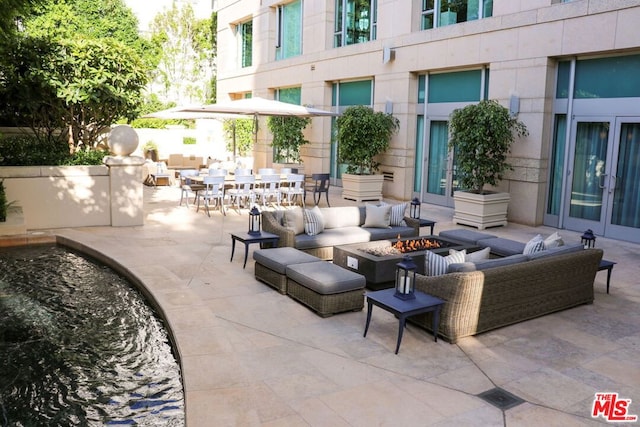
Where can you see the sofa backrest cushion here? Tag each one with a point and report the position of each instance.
(377, 216)
(294, 219)
(565, 249)
(341, 216)
(501, 262)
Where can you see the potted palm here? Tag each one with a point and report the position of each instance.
(362, 135)
(288, 137)
(481, 138)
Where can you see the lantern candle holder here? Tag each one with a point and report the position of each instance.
(405, 278)
(254, 221)
(588, 239)
(414, 211)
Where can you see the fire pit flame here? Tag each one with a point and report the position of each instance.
(413, 245)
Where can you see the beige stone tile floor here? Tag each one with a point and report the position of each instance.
(253, 357)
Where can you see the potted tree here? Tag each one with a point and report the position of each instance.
(288, 137)
(481, 136)
(363, 134)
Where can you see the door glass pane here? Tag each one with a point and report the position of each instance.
(588, 170)
(437, 163)
(417, 185)
(557, 165)
(626, 200)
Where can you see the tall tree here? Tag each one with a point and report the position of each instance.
(13, 10)
(185, 68)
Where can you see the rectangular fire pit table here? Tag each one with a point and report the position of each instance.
(402, 309)
(380, 269)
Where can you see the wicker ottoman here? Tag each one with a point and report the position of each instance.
(271, 265)
(325, 288)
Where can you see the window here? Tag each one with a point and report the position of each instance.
(289, 30)
(355, 22)
(292, 95)
(439, 13)
(245, 30)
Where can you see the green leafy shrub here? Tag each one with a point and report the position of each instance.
(189, 140)
(86, 157)
(28, 150)
(288, 136)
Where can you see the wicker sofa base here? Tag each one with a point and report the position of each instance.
(271, 278)
(326, 305)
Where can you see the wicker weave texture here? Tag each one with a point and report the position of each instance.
(483, 300)
(326, 305)
(271, 278)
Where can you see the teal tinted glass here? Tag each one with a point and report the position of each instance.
(417, 185)
(292, 95)
(556, 165)
(421, 88)
(355, 93)
(564, 73)
(461, 86)
(617, 77)
(291, 28)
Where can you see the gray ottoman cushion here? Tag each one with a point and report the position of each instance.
(325, 278)
(277, 259)
(501, 246)
(467, 236)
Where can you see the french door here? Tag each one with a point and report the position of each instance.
(439, 179)
(604, 174)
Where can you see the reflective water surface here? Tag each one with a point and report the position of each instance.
(80, 346)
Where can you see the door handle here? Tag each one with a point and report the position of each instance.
(601, 180)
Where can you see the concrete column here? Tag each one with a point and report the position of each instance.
(125, 190)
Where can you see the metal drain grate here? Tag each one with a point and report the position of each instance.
(500, 398)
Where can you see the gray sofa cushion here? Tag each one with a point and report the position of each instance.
(501, 246)
(277, 259)
(342, 216)
(501, 262)
(348, 235)
(467, 236)
(325, 278)
(389, 233)
(557, 251)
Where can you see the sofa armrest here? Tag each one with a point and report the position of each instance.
(413, 223)
(271, 225)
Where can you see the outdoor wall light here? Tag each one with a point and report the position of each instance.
(405, 278)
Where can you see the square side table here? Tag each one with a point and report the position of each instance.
(247, 239)
(422, 303)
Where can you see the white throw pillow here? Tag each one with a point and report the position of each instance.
(553, 241)
(436, 265)
(477, 255)
(534, 245)
(294, 219)
(377, 216)
(313, 221)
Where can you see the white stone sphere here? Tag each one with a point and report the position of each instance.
(123, 140)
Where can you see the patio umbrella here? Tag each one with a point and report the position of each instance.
(257, 106)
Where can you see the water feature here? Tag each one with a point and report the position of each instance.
(80, 346)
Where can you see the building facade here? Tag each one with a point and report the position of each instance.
(570, 70)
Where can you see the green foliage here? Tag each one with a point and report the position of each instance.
(189, 140)
(28, 150)
(243, 129)
(12, 9)
(481, 136)
(362, 135)
(288, 137)
(4, 204)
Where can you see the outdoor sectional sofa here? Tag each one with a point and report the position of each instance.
(509, 290)
(342, 225)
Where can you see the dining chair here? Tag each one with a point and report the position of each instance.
(188, 187)
(319, 184)
(218, 172)
(213, 192)
(268, 189)
(242, 191)
(285, 171)
(267, 171)
(293, 190)
(242, 171)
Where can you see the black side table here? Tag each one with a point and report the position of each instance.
(247, 239)
(427, 223)
(402, 309)
(607, 265)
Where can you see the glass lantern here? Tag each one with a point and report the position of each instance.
(405, 278)
(254, 221)
(588, 239)
(415, 208)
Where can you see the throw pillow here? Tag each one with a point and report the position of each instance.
(478, 255)
(293, 219)
(553, 241)
(313, 221)
(397, 214)
(534, 245)
(436, 265)
(377, 216)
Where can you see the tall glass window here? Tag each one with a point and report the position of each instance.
(439, 13)
(556, 165)
(616, 77)
(245, 30)
(289, 30)
(355, 22)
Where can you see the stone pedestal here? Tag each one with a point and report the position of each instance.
(127, 207)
